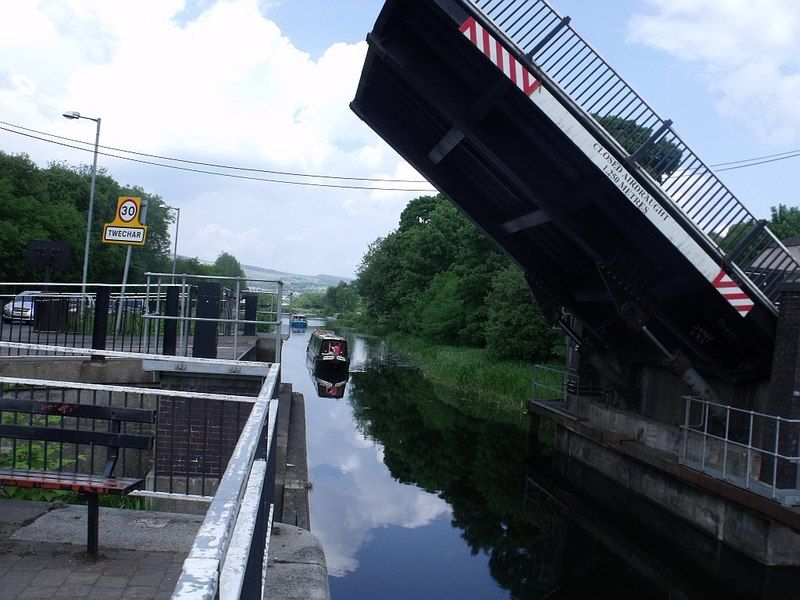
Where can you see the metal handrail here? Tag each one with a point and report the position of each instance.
(244, 495)
(543, 382)
(788, 495)
(184, 463)
(157, 281)
(758, 259)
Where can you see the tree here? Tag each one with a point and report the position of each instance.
(52, 204)
(226, 265)
(417, 212)
(441, 313)
(785, 221)
(341, 298)
(430, 278)
(378, 274)
(515, 328)
(314, 301)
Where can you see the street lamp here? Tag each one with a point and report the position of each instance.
(76, 115)
(177, 224)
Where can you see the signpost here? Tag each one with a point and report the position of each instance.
(48, 255)
(127, 228)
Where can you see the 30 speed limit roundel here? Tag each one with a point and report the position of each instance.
(128, 210)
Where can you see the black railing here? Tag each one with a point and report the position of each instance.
(159, 317)
(194, 434)
(595, 88)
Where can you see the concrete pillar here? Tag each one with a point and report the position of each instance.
(784, 392)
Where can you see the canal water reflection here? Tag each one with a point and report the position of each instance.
(415, 495)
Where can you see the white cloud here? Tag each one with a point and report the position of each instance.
(748, 52)
(211, 240)
(210, 81)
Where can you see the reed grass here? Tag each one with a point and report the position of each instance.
(474, 373)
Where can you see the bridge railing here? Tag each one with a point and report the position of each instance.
(593, 87)
(746, 448)
(229, 556)
(58, 314)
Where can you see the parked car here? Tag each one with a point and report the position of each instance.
(21, 307)
(129, 305)
(75, 302)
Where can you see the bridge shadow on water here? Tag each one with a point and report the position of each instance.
(541, 541)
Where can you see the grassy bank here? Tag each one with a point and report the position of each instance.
(472, 372)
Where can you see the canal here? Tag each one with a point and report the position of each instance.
(416, 494)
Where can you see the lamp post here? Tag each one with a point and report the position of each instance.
(76, 115)
(175, 250)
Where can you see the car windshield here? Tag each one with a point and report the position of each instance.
(25, 296)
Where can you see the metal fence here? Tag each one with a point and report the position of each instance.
(749, 449)
(237, 311)
(194, 434)
(549, 381)
(588, 83)
(561, 387)
(160, 316)
(229, 556)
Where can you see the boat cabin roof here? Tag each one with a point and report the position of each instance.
(326, 334)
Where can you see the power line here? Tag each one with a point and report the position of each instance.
(215, 165)
(229, 175)
(759, 162)
(736, 162)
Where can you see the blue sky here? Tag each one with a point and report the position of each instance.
(266, 84)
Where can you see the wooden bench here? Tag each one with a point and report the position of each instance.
(87, 486)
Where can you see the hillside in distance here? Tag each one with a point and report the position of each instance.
(294, 282)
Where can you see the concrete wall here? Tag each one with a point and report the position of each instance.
(582, 460)
(79, 369)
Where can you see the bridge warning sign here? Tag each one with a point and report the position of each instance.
(126, 228)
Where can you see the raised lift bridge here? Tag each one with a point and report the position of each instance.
(513, 116)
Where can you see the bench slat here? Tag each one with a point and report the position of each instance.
(74, 436)
(67, 409)
(76, 482)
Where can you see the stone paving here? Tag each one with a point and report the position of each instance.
(43, 552)
(58, 570)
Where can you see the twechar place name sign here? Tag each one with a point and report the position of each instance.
(126, 227)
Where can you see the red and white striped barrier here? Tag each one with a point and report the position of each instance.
(733, 293)
(502, 58)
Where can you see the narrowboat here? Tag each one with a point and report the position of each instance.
(326, 350)
(329, 389)
(299, 321)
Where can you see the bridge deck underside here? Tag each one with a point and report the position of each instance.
(582, 244)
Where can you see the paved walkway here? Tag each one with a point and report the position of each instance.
(53, 570)
(43, 554)
(34, 565)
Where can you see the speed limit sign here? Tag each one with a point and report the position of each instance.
(128, 209)
(127, 227)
